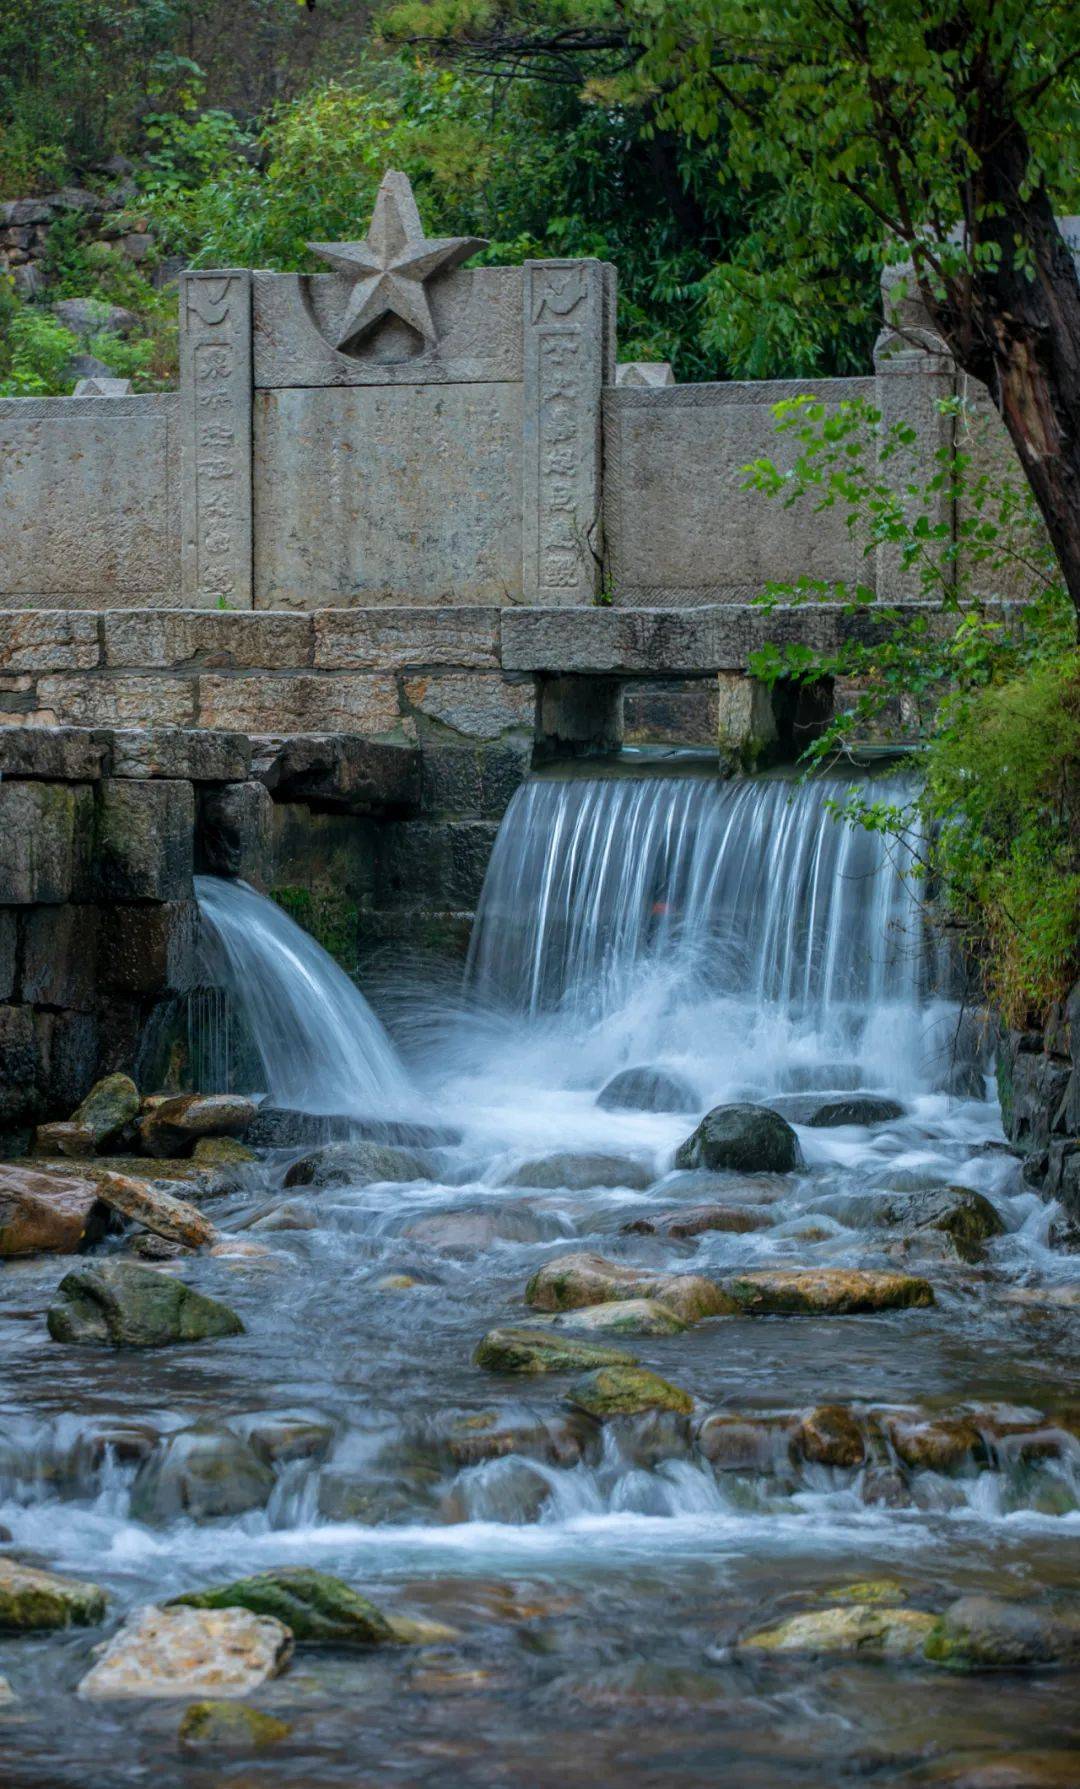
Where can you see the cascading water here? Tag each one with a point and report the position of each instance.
(320, 1045)
(736, 921)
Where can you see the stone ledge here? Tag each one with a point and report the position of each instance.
(338, 771)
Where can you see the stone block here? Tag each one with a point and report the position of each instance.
(48, 640)
(474, 781)
(196, 755)
(215, 450)
(45, 841)
(644, 372)
(303, 702)
(20, 1066)
(52, 754)
(148, 949)
(145, 840)
(59, 955)
(235, 830)
(396, 639)
(434, 864)
(747, 723)
(90, 514)
(387, 495)
(477, 705)
(148, 640)
(340, 772)
(67, 1044)
(670, 713)
(108, 701)
(579, 715)
(8, 951)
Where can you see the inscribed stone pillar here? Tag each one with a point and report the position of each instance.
(561, 474)
(215, 458)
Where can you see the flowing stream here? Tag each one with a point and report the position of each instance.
(737, 938)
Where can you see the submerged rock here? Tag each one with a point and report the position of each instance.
(229, 1727)
(577, 1173)
(42, 1212)
(987, 1633)
(749, 1139)
(626, 1391)
(830, 1436)
(466, 1232)
(32, 1601)
(571, 1281)
(174, 1126)
(200, 1472)
(508, 1491)
(315, 1606)
(357, 1164)
(121, 1304)
(859, 1108)
(866, 1631)
(623, 1316)
(733, 1443)
(182, 1652)
(937, 1445)
(647, 1089)
(163, 1213)
(543, 1351)
(835, 1291)
(697, 1220)
(486, 1435)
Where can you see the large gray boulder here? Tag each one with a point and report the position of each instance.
(357, 1164)
(748, 1139)
(122, 1304)
(647, 1089)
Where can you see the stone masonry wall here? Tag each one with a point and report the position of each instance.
(1039, 1089)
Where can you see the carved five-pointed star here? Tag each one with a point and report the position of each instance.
(391, 265)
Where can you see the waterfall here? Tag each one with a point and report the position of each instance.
(320, 1045)
(739, 913)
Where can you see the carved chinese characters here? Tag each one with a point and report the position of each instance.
(216, 456)
(564, 352)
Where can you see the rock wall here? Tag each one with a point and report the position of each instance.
(1039, 1089)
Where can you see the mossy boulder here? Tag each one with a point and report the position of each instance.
(987, 1633)
(229, 1727)
(317, 1608)
(958, 1212)
(222, 1152)
(936, 1444)
(647, 1089)
(829, 1436)
(110, 1104)
(124, 1305)
(32, 1601)
(357, 1164)
(826, 1291)
(626, 1391)
(572, 1281)
(744, 1138)
(173, 1126)
(540, 1350)
(872, 1631)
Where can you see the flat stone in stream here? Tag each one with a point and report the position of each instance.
(697, 1220)
(541, 1350)
(468, 1231)
(825, 1291)
(44, 1212)
(32, 1601)
(749, 1139)
(315, 1606)
(623, 1316)
(155, 1209)
(124, 1305)
(189, 1652)
(626, 1391)
(858, 1108)
(647, 1089)
(865, 1631)
(281, 1127)
(571, 1281)
(987, 1633)
(578, 1172)
(357, 1164)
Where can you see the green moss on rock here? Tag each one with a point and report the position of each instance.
(327, 915)
(317, 1607)
(627, 1391)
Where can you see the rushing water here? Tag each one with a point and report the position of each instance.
(734, 935)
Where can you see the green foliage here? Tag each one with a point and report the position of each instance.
(986, 686)
(34, 349)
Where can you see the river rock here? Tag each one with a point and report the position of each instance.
(697, 1220)
(541, 1350)
(936, 1445)
(223, 1152)
(858, 1108)
(865, 1631)
(185, 1652)
(647, 1089)
(829, 1436)
(835, 1291)
(749, 1139)
(175, 1125)
(129, 1306)
(572, 1281)
(965, 1216)
(314, 1606)
(200, 1472)
(7, 1694)
(626, 1391)
(623, 1316)
(156, 1210)
(229, 1727)
(279, 1439)
(577, 1173)
(357, 1164)
(511, 1492)
(735, 1443)
(493, 1434)
(32, 1600)
(987, 1633)
(467, 1232)
(44, 1212)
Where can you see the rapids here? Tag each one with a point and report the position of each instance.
(739, 937)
